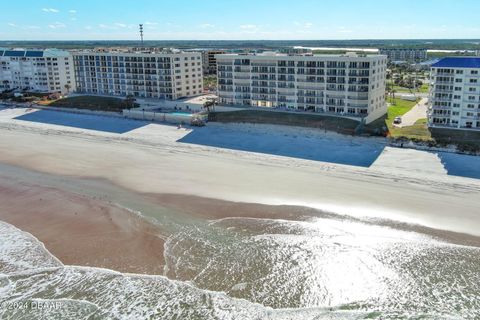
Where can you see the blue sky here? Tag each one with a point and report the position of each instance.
(239, 19)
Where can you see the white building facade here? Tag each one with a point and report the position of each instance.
(36, 71)
(159, 75)
(341, 85)
(455, 93)
(405, 54)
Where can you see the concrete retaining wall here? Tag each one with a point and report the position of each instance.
(79, 111)
(160, 116)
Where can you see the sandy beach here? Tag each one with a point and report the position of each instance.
(270, 222)
(401, 184)
(79, 230)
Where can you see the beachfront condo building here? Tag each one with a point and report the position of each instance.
(46, 71)
(165, 74)
(348, 85)
(455, 93)
(404, 54)
(209, 61)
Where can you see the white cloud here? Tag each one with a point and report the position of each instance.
(344, 30)
(72, 11)
(149, 23)
(56, 25)
(26, 27)
(52, 10)
(117, 26)
(206, 25)
(88, 27)
(305, 25)
(248, 27)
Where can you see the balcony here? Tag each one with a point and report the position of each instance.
(361, 106)
(444, 74)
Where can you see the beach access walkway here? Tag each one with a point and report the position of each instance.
(419, 111)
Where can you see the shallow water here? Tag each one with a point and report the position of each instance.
(330, 267)
(328, 263)
(257, 269)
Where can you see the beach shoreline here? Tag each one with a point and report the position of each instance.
(80, 230)
(83, 230)
(250, 171)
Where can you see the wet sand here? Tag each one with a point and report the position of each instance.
(79, 230)
(82, 230)
(219, 209)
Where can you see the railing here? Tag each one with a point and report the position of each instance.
(444, 74)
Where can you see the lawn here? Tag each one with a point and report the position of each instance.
(418, 131)
(92, 103)
(424, 88)
(338, 124)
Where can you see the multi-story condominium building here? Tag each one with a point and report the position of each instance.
(342, 85)
(168, 74)
(455, 93)
(209, 61)
(409, 55)
(36, 70)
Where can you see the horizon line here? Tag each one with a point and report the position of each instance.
(360, 39)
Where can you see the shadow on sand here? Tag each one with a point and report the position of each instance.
(460, 164)
(302, 143)
(83, 121)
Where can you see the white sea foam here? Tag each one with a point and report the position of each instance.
(85, 292)
(20, 251)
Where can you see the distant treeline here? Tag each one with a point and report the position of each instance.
(452, 44)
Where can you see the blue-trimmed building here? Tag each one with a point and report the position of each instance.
(36, 70)
(455, 93)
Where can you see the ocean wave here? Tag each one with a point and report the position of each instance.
(73, 292)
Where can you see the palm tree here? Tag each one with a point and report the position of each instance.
(208, 104)
(394, 102)
(68, 87)
(130, 101)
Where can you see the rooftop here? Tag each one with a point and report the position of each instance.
(458, 62)
(308, 56)
(34, 53)
(131, 50)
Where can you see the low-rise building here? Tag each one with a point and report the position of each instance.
(209, 61)
(455, 93)
(36, 70)
(168, 74)
(404, 54)
(348, 85)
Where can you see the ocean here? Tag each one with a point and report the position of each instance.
(320, 267)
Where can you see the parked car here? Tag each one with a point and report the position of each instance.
(397, 120)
